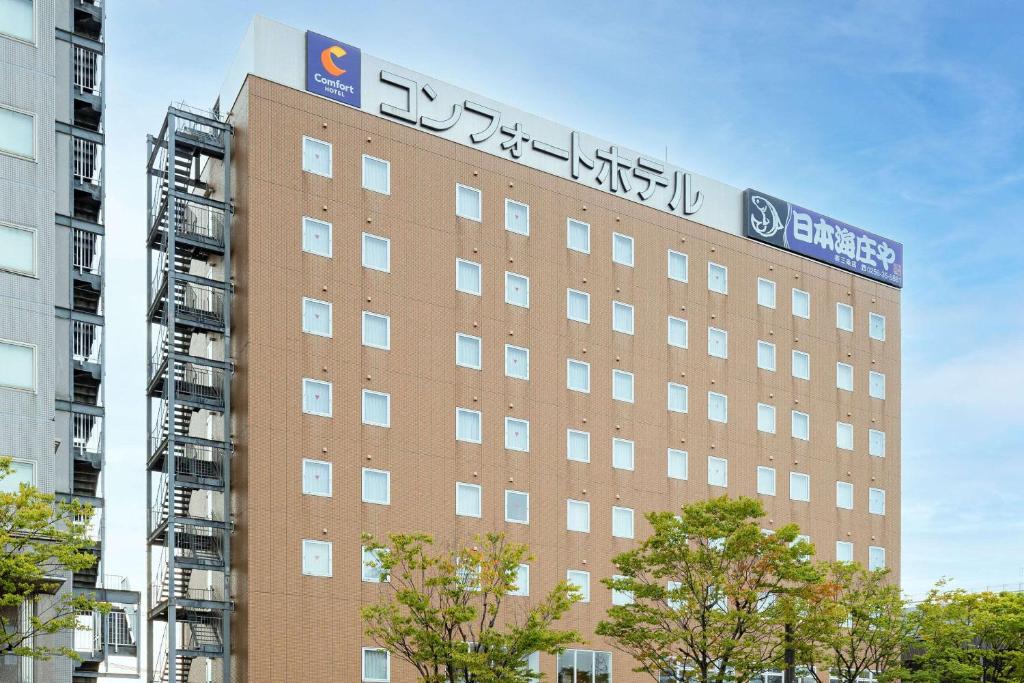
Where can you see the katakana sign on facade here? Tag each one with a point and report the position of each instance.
(343, 73)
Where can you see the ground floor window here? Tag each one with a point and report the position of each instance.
(584, 666)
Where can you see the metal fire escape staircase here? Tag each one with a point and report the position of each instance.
(188, 390)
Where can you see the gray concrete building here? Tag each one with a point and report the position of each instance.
(51, 302)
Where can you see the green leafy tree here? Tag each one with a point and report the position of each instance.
(861, 625)
(711, 594)
(40, 539)
(448, 615)
(962, 636)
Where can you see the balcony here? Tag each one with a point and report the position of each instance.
(89, 18)
(199, 227)
(87, 270)
(87, 170)
(87, 346)
(88, 88)
(86, 355)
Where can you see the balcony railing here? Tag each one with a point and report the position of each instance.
(87, 254)
(198, 221)
(88, 71)
(88, 161)
(88, 435)
(86, 342)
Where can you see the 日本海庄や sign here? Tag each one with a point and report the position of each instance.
(333, 69)
(811, 234)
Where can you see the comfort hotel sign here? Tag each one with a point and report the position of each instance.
(343, 73)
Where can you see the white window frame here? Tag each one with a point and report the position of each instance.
(872, 317)
(872, 508)
(844, 367)
(686, 266)
(362, 663)
(569, 292)
(365, 552)
(844, 545)
(480, 273)
(774, 418)
(797, 293)
(362, 482)
(568, 516)
(387, 325)
(509, 274)
(568, 440)
(35, 367)
(480, 419)
(632, 454)
(585, 590)
(761, 303)
(799, 476)
(513, 347)
(386, 269)
(764, 490)
(871, 449)
(479, 348)
(568, 363)
(478, 218)
(760, 343)
(568, 234)
(842, 487)
(625, 374)
(725, 278)
(801, 354)
(34, 272)
(632, 322)
(725, 463)
(872, 374)
(35, 128)
(329, 253)
(684, 456)
(459, 485)
(632, 521)
(685, 390)
(632, 245)
(387, 165)
(517, 521)
(330, 156)
(523, 421)
(35, 28)
(844, 428)
(840, 306)
(726, 398)
(330, 397)
(686, 332)
(330, 557)
(793, 423)
(508, 202)
(520, 589)
(387, 398)
(7, 484)
(330, 477)
(873, 551)
(621, 597)
(330, 317)
(715, 331)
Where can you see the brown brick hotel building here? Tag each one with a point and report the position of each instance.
(443, 315)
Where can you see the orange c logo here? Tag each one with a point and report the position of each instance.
(327, 58)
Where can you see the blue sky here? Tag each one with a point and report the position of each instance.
(904, 118)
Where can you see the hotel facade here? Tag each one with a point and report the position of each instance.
(402, 307)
